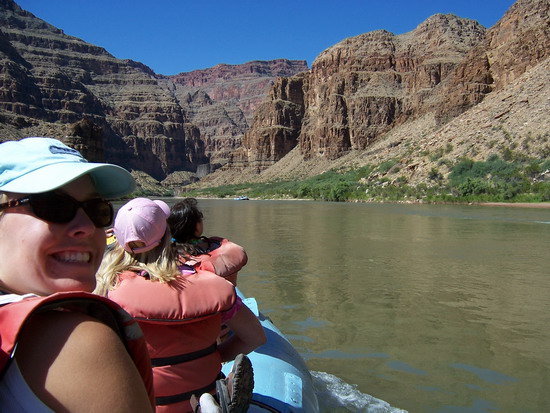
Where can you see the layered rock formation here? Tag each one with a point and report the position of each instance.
(518, 41)
(120, 110)
(243, 85)
(52, 82)
(363, 87)
(221, 100)
(277, 126)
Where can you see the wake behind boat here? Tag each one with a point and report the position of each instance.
(282, 381)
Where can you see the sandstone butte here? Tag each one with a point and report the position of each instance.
(450, 88)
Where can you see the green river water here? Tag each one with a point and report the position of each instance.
(431, 308)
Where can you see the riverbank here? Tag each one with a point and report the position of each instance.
(540, 205)
(515, 204)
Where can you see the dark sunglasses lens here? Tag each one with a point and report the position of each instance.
(53, 207)
(100, 212)
(61, 209)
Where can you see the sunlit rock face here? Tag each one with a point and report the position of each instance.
(221, 100)
(362, 87)
(253, 114)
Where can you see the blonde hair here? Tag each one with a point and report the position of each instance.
(161, 265)
(3, 198)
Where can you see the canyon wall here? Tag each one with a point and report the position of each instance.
(249, 117)
(120, 111)
(221, 100)
(361, 88)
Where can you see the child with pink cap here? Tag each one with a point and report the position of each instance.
(180, 310)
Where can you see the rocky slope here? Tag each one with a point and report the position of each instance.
(221, 100)
(57, 85)
(449, 88)
(379, 96)
(52, 84)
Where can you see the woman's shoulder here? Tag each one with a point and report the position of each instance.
(78, 346)
(52, 330)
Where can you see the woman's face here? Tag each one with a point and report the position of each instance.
(43, 258)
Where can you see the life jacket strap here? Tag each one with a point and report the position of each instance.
(181, 397)
(182, 358)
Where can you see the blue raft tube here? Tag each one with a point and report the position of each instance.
(282, 381)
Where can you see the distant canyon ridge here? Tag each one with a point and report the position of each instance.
(450, 86)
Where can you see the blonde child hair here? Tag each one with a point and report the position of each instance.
(161, 265)
(3, 198)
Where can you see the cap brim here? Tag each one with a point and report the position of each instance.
(111, 181)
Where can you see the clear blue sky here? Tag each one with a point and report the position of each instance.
(173, 36)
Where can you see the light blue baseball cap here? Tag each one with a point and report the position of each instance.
(35, 165)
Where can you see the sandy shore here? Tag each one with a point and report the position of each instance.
(516, 204)
(489, 204)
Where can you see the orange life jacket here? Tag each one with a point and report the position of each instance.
(180, 321)
(225, 260)
(14, 315)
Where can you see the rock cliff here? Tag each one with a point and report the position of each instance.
(244, 85)
(369, 98)
(519, 41)
(221, 100)
(413, 97)
(363, 88)
(277, 126)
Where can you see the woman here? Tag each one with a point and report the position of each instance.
(214, 254)
(62, 349)
(179, 309)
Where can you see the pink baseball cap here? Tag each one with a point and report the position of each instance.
(141, 220)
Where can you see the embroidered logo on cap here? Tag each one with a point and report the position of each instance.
(61, 150)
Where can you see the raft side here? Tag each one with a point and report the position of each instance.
(282, 381)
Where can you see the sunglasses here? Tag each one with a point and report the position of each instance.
(61, 209)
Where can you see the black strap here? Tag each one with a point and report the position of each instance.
(264, 406)
(182, 358)
(176, 398)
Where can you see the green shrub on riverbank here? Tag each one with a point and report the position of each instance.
(148, 193)
(514, 179)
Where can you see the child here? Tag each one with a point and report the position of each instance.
(214, 254)
(180, 310)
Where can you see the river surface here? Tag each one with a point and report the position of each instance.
(417, 307)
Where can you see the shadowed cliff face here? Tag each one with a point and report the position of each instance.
(51, 82)
(221, 100)
(276, 128)
(361, 88)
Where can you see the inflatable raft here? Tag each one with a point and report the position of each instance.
(282, 381)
